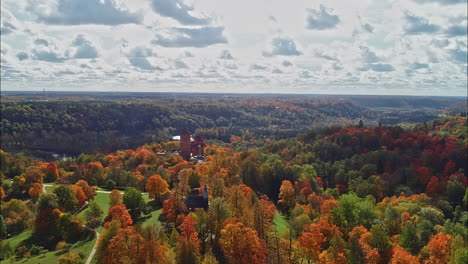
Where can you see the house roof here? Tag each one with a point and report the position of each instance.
(196, 201)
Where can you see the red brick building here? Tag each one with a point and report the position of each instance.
(189, 148)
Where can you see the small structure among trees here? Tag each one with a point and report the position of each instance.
(195, 201)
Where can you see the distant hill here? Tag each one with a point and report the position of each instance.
(73, 122)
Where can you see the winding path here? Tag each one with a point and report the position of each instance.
(93, 252)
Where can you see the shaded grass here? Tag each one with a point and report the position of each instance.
(153, 219)
(280, 223)
(16, 239)
(84, 246)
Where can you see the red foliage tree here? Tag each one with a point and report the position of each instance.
(433, 188)
(51, 171)
(120, 213)
(424, 174)
(450, 167)
(172, 208)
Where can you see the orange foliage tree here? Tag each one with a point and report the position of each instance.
(242, 245)
(157, 253)
(115, 198)
(127, 246)
(95, 171)
(33, 175)
(35, 191)
(120, 213)
(172, 208)
(79, 194)
(310, 245)
(156, 187)
(2, 194)
(88, 190)
(401, 256)
(286, 196)
(439, 249)
(188, 244)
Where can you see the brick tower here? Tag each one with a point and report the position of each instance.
(185, 146)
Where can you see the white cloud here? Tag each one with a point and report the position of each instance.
(282, 46)
(191, 37)
(226, 55)
(377, 67)
(179, 11)
(419, 25)
(83, 48)
(8, 22)
(140, 58)
(322, 18)
(442, 2)
(286, 63)
(79, 12)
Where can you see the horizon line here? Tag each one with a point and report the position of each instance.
(220, 93)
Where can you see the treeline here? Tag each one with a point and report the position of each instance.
(105, 126)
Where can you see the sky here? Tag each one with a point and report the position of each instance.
(405, 47)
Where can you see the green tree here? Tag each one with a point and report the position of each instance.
(94, 215)
(455, 192)
(380, 240)
(409, 238)
(133, 200)
(353, 211)
(66, 199)
(194, 179)
(47, 200)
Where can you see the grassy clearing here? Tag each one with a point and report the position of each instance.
(154, 218)
(52, 257)
(280, 223)
(102, 199)
(15, 240)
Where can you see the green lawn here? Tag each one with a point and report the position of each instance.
(154, 218)
(15, 240)
(102, 199)
(51, 257)
(280, 223)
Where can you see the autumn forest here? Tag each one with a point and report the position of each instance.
(288, 179)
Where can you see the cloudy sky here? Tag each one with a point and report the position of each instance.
(409, 47)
